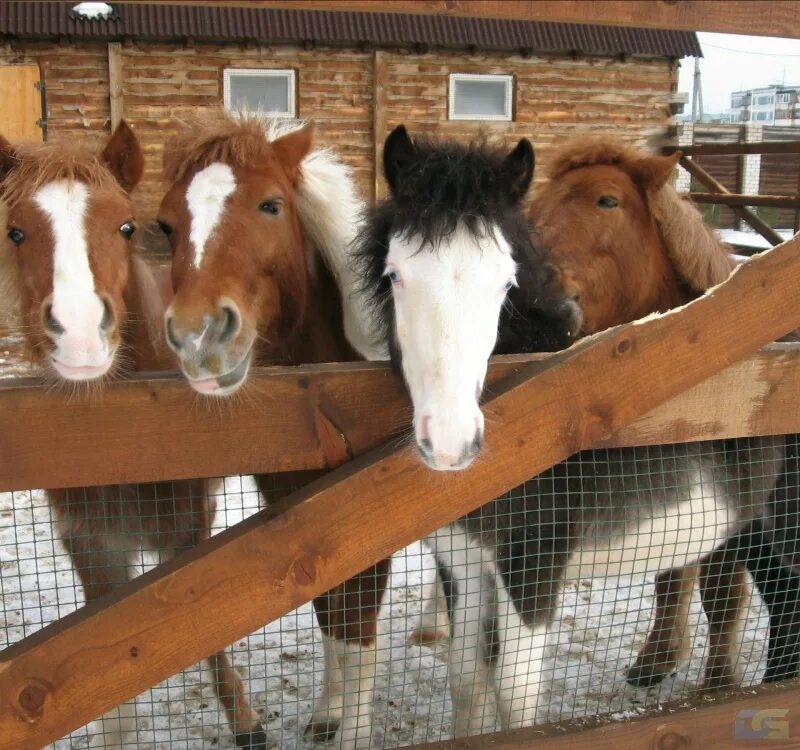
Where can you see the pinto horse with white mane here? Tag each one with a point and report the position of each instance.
(252, 214)
(90, 308)
(454, 274)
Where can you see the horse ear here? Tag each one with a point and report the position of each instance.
(398, 153)
(124, 156)
(293, 147)
(653, 172)
(8, 157)
(518, 169)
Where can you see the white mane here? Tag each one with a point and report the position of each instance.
(330, 211)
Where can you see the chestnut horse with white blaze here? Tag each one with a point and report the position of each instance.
(252, 213)
(455, 273)
(91, 309)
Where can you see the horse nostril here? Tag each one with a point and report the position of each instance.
(477, 441)
(172, 339)
(50, 321)
(426, 446)
(107, 322)
(230, 323)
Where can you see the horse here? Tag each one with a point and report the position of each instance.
(91, 310)
(621, 272)
(453, 273)
(253, 214)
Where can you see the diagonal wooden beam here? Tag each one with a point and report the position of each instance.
(764, 229)
(78, 668)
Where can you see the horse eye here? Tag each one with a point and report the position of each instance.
(164, 227)
(393, 276)
(607, 201)
(17, 236)
(271, 206)
(509, 285)
(127, 229)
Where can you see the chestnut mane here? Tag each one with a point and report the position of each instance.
(43, 163)
(698, 256)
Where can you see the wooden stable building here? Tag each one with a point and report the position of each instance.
(356, 74)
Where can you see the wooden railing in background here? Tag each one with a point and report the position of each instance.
(81, 666)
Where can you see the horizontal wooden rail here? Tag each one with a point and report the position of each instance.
(735, 149)
(736, 199)
(713, 721)
(744, 213)
(72, 671)
(775, 18)
(308, 417)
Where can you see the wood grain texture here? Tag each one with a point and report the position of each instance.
(775, 18)
(78, 668)
(22, 102)
(115, 81)
(301, 418)
(733, 199)
(764, 229)
(705, 723)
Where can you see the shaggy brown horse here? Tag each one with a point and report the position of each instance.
(250, 213)
(91, 308)
(613, 223)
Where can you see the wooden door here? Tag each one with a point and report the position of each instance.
(20, 102)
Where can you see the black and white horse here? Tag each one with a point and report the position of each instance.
(453, 276)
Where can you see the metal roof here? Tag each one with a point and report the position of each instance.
(156, 22)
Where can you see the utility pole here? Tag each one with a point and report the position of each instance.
(697, 92)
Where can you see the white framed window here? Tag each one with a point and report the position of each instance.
(260, 90)
(784, 98)
(481, 97)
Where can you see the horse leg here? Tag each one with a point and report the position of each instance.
(668, 642)
(228, 685)
(779, 587)
(348, 616)
(434, 622)
(470, 597)
(518, 663)
(725, 592)
(102, 559)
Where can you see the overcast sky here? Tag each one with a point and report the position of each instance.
(731, 62)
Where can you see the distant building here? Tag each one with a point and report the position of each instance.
(770, 105)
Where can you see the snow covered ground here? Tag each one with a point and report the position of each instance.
(602, 623)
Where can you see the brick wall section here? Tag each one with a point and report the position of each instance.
(77, 85)
(554, 97)
(163, 83)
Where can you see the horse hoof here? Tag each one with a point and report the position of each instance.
(321, 731)
(255, 739)
(646, 676)
(428, 636)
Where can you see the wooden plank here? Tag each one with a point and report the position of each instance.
(775, 18)
(764, 229)
(22, 102)
(78, 668)
(155, 429)
(115, 78)
(714, 721)
(735, 149)
(734, 199)
(379, 122)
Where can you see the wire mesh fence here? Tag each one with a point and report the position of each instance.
(598, 627)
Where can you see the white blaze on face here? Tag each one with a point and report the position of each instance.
(81, 347)
(447, 308)
(206, 196)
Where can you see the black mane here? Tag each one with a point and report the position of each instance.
(439, 187)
